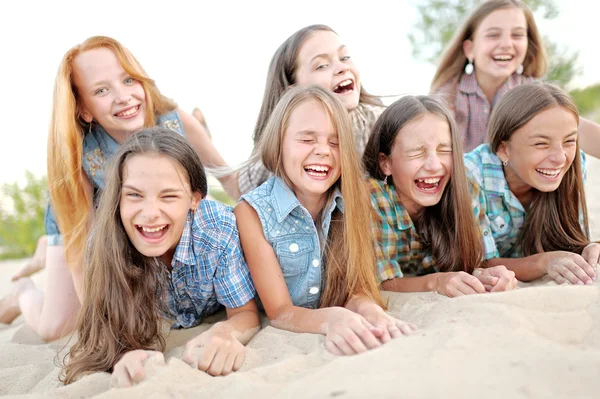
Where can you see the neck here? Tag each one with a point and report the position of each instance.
(489, 85)
(313, 203)
(518, 187)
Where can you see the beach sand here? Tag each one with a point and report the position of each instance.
(539, 341)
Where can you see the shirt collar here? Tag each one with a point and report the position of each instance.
(496, 182)
(184, 252)
(284, 200)
(402, 216)
(468, 84)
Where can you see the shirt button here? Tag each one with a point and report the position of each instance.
(315, 262)
(313, 290)
(295, 221)
(485, 233)
(293, 229)
(294, 247)
(307, 227)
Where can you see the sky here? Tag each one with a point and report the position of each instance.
(215, 55)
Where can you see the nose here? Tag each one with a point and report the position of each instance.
(341, 67)
(123, 95)
(433, 163)
(506, 40)
(322, 148)
(150, 210)
(558, 155)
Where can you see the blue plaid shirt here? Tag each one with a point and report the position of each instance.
(495, 207)
(208, 267)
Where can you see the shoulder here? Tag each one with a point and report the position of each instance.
(475, 163)
(213, 216)
(171, 120)
(262, 195)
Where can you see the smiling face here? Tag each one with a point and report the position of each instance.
(540, 153)
(107, 94)
(310, 152)
(324, 61)
(155, 200)
(420, 162)
(499, 44)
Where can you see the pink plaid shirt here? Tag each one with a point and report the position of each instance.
(471, 108)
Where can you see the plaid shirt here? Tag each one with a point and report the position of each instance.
(208, 267)
(363, 118)
(397, 245)
(471, 108)
(499, 212)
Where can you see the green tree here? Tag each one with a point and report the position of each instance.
(22, 222)
(438, 20)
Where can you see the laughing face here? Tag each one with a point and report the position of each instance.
(420, 162)
(499, 44)
(311, 156)
(107, 94)
(324, 61)
(155, 200)
(540, 153)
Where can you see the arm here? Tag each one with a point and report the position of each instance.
(200, 140)
(589, 137)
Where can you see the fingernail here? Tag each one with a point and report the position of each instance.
(589, 282)
(579, 282)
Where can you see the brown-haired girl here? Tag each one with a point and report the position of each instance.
(497, 48)
(305, 231)
(527, 186)
(426, 238)
(159, 250)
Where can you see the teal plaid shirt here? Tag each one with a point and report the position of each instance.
(498, 211)
(397, 244)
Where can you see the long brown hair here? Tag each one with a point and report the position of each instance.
(121, 311)
(70, 202)
(553, 220)
(448, 228)
(282, 75)
(349, 249)
(453, 60)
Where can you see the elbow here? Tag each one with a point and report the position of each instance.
(51, 331)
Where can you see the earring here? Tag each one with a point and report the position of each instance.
(90, 126)
(519, 69)
(385, 180)
(469, 68)
(504, 163)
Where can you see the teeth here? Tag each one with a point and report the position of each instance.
(346, 82)
(317, 168)
(430, 181)
(153, 230)
(503, 58)
(548, 172)
(128, 112)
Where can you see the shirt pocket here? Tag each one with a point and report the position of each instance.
(499, 225)
(294, 254)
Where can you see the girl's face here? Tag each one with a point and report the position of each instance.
(324, 61)
(499, 44)
(310, 151)
(420, 162)
(155, 200)
(107, 94)
(540, 153)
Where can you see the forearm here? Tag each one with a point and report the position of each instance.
(301, 320)
(242, 326)
(364, 306)
(589, 137)
(411, 284)
(526, 269)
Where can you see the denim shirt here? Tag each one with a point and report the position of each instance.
(289, 228)
(98, 148)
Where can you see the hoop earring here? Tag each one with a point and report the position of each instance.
(469, 68)
(519, 69)
(504, 163)
(385, 180)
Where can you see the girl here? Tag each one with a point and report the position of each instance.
(313, 55)
(305, 230)
(101, 96)
(497, 48)
(422, 217)
(527, 186)
(155, 235)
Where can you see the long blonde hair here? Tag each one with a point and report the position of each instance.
(453, 60)
(121, 310)
(70, 202)
(350, 254)
(554, 219)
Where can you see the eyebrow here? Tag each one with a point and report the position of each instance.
(498, 28)
(325, 55)
(105, 81)
(543, 136)
(165, 191)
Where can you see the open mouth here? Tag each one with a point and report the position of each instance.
(344, 86)
(129, 112)
(551, 174)
(503, 58)
(317, 171)
(429, 185)
(152, 234)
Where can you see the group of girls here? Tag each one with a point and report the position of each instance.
(133, 241)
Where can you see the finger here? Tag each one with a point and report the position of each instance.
(453, 292)
(204, 357)
(476, 287)
(344, 346)
(487, 279)
(587, 272)
(488, 288)
(120, 379)
(466, 289)
(577, 266)
(502, 284)
(239, 360)
(228, 364)
(388, 330)
(395, 330)
(218, 362)
(567, 274)
(591, 254)
(367, 339)
(333, 348)
(406, 328)
(135, 369)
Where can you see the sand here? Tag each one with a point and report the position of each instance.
(539, 341)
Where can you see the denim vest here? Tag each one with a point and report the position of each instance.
(98, 148)
(290, 230)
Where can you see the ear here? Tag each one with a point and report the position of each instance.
(468, 49)
(385, 164)
(84, 113)
(196, 198)
(503, 151)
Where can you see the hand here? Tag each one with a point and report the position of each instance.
(565, 266)
(390, 326)
(454, 284)
(591, 254)
(130, 370)
(215, 351)
(496, 278)
(349, 333)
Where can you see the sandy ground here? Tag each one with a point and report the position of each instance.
(540, 341)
